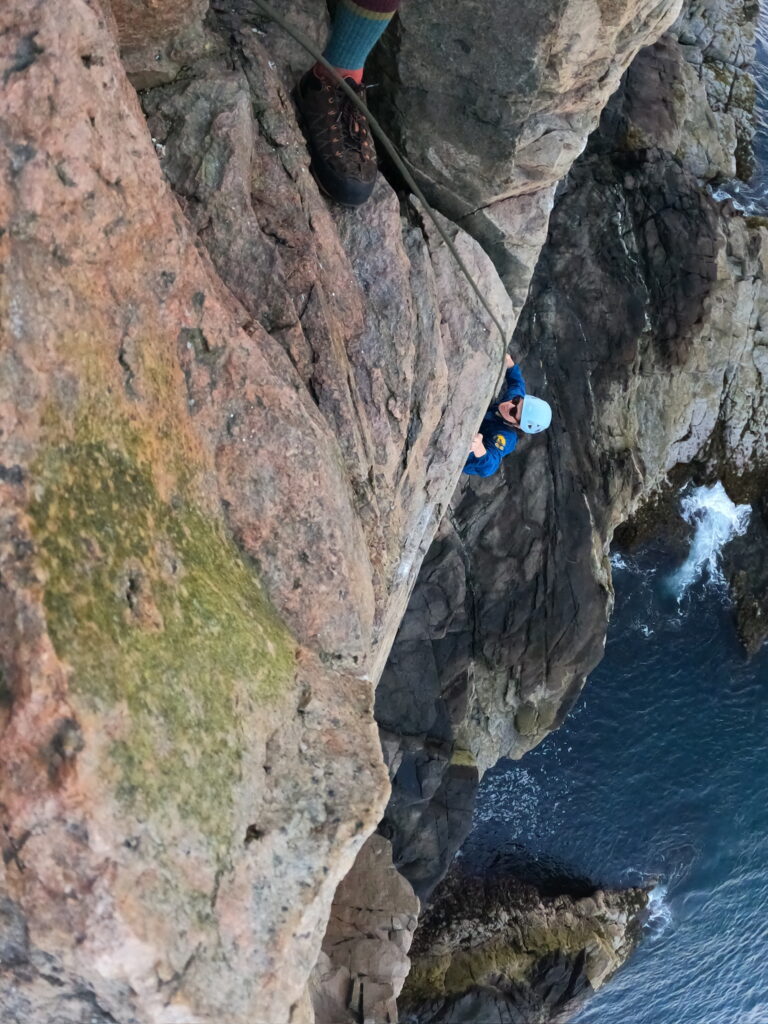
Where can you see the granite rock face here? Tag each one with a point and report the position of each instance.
(484, 118)
(491, 106)
(692, 93)
(199, 540)
(184, 782)
(490, 949)
(655, 292)
(364, 961)
(370, 319)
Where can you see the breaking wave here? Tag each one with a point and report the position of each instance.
(717, 520)
(659, 912)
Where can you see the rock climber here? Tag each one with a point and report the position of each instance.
(515, 411)
(340, 143)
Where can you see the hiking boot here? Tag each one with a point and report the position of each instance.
(340, 143)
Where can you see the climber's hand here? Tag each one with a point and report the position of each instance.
(509, 362)
(478, 448)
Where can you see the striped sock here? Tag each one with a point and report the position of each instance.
(357, 27)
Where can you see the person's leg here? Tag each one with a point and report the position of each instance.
(343, 154)
(357, 27)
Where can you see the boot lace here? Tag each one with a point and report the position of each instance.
(353, 125)
(347, 129)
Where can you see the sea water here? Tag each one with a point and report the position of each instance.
(659, 778)
(752, 196)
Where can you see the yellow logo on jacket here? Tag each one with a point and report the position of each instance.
(500, 441)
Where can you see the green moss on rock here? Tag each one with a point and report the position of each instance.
(426, 978)
(497, 933)
(526, 719)
(454, 974)
(155, 610)
(463, 758)
(475, 966)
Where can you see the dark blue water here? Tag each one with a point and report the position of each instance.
(752, 196)
(661, 773)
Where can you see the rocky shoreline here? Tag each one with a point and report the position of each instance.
(489, 949)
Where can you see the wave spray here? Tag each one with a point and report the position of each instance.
(717, 520)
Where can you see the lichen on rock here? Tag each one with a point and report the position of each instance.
(157, 614)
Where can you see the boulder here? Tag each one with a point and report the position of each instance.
(482, 115)
(159, 37)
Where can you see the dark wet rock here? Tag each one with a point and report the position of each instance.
(14, 935)
(745, 562)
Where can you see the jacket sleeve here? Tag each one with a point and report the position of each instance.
(486, 465)
(515, 385)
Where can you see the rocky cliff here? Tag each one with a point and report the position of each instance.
(644, 324)
(232, 419)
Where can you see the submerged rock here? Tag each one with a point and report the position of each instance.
(745, 562)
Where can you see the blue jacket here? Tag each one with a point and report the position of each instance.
(499, 437)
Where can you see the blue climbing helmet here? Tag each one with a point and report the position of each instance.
(536, 415)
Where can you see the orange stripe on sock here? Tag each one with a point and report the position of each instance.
(322, 72)
(356, 73)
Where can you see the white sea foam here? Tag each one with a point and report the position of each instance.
(756, 1015)
(659, 911)
(717, 520)
(621, 564)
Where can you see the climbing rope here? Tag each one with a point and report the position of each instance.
(384, 139)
